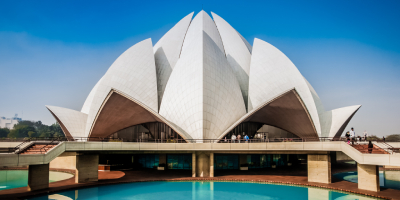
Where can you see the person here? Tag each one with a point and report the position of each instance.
(348, 137)
(225, 140)
(365, 135)
(383, 138)
(370, 147)
(233, 138)
(246, 138)
(238, 138)
(352, 135)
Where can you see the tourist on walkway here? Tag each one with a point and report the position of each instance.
(370, 147)
(384, 139)
(352, 135)
(238, 137)
(365, 135)
(233, 138)
(225, 140)
(246, 138)
(348, 137)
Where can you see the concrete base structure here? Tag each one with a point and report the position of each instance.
(86, 168)
(368, 177)
(319, 168)
(38, 177)
(66, 160)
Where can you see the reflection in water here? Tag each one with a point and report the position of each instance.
(200, 191)
(387, 179)
(19, 178)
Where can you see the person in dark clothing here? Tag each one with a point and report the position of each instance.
(384, 139)
(370, 147)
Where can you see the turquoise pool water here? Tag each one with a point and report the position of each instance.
(199, 191)
(387, 179)
(19, 178)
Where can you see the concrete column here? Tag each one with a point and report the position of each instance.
(211, 164)
(38, 177)
(202, 164)
(242, 159)
(162, 159)
(319, 168)
(86, 168)
(193, 164)
(368, 177)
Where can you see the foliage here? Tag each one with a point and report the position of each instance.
(373, 138)
(4, 132)
(34, 129)
(393, 138)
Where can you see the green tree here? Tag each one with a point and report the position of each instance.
(4, 132)
(393, 138)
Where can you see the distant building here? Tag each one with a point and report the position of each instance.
(9, 122)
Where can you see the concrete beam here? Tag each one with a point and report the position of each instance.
(319, 168)
(38, 177)
(86, 168)
(368, 177)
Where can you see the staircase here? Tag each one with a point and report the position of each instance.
(363, 148)
(38, 149)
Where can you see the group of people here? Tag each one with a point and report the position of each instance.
(238, 138)
(351, 136)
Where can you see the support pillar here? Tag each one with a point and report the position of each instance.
(319, 168)
(368, 177)
(86, 168)
(202, 164)
(193, 164)
(162, 159)
(211, 164)
(38, 177)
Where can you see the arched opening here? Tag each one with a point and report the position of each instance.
(147, 132)
(259, 131)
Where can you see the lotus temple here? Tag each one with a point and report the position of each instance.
(202, 104)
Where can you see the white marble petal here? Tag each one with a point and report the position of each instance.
(271, 72)
(133, 73)
(202, 96)
(167, 51)
(237, 53)
(74, 121)
(89, 99)
(340, 119)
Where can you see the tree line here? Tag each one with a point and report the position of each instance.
(27, 129)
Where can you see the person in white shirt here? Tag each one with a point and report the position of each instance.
(352, 135)
(233, 138)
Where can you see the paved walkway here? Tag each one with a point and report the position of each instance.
(297, 177)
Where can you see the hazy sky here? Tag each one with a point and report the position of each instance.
(54, 52)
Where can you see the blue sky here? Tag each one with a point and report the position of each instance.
(53, 52)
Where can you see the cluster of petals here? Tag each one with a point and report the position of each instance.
(202, 79)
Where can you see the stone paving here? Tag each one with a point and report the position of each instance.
(284, 176)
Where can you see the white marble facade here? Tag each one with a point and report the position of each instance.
(202, 77)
